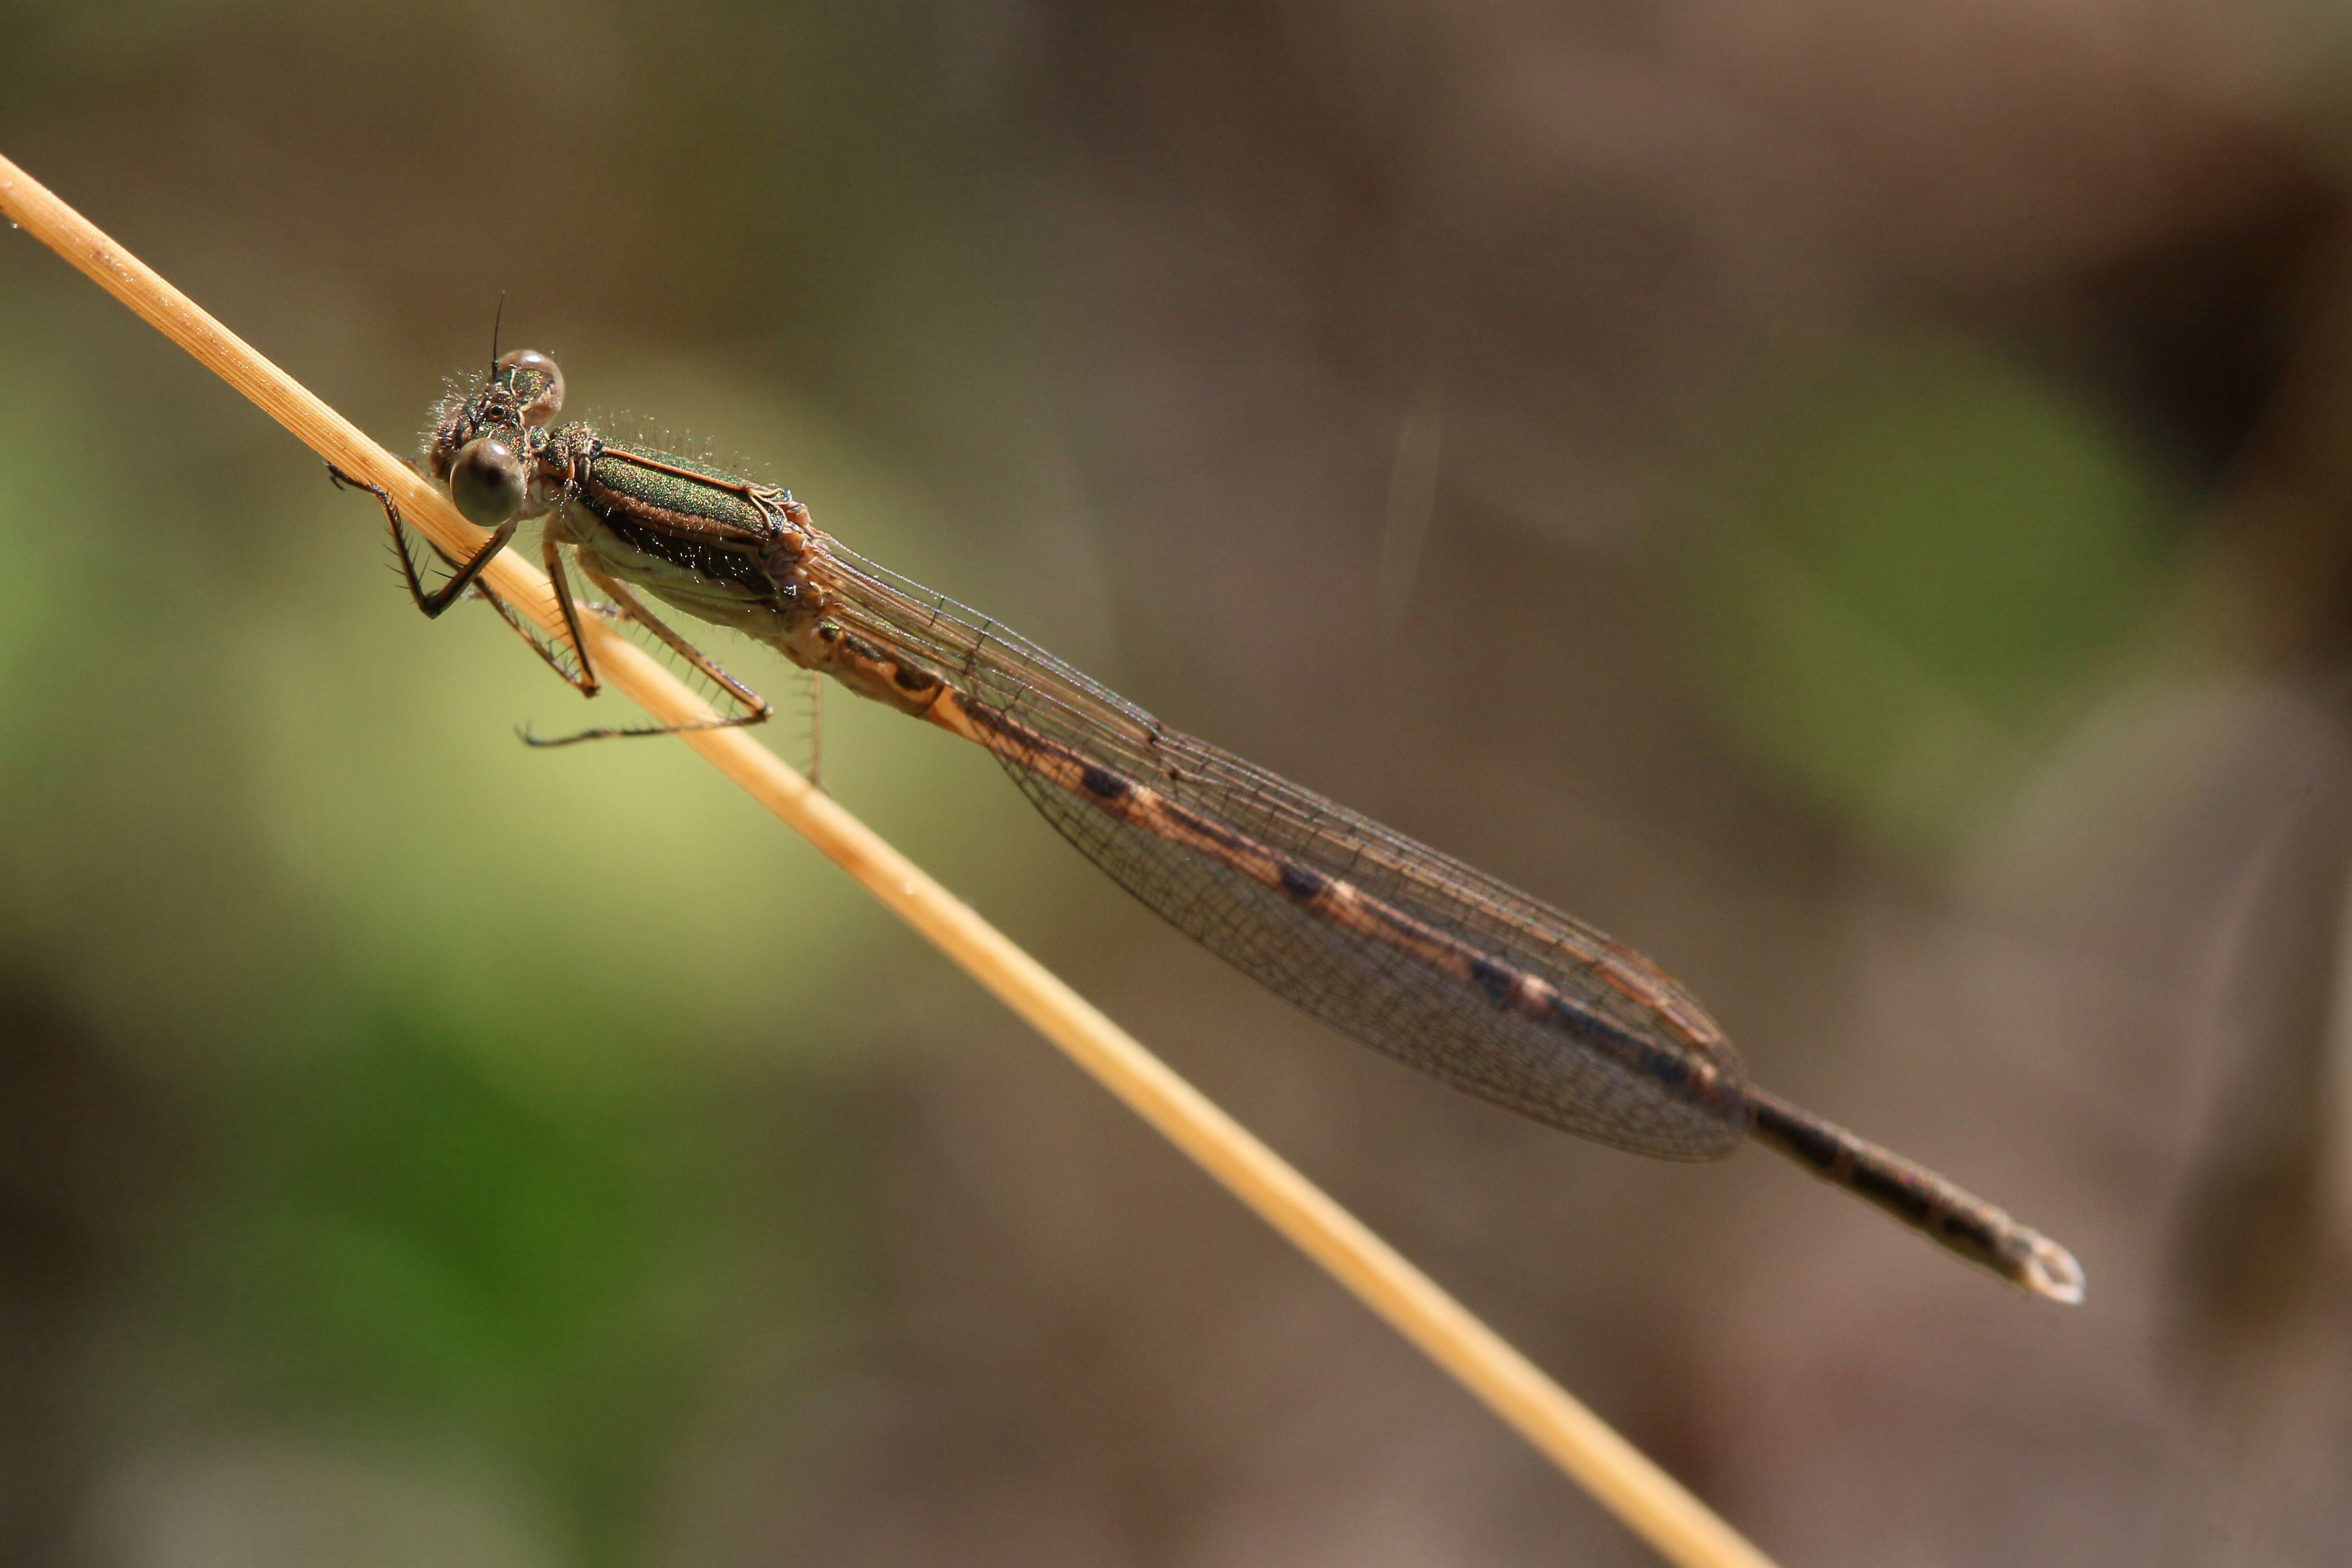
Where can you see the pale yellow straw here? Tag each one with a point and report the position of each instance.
(1611, 1469)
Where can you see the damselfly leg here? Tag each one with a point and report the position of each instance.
(465, 582)
(813, 684)
(626, 605)
(439, 599)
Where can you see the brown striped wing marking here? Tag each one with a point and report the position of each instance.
(1427, 959)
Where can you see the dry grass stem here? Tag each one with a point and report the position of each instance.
(1649, 1501)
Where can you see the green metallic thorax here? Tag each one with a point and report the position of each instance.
(699, 496)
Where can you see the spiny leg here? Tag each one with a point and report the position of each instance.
(816, 727)
(553, 653)
(551, 552)
(532, 638)
(756, 709)
(449, 593)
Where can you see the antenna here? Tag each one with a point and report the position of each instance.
(497, 317)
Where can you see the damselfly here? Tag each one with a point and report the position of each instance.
(1420, 957)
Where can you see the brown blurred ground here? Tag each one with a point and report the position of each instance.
(1852, 500)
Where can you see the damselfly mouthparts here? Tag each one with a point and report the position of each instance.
(1420, 957)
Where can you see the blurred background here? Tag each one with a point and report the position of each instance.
(1851, 500)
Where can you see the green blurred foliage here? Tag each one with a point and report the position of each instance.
(410, 1243)
(531, 1081)
(1923, 561)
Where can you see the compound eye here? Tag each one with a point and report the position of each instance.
(536, 382)
(485, 481)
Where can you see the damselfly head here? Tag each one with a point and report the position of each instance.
(522, 394)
